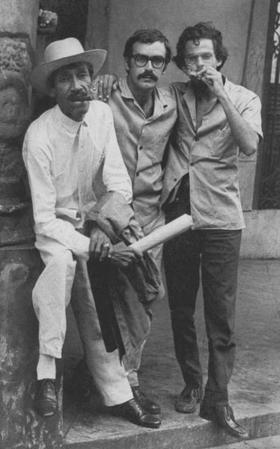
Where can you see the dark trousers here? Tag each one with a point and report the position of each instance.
(215, 254)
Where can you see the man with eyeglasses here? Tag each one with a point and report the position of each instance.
(144, 116)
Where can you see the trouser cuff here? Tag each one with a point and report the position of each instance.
(48, 350)
(215, 398)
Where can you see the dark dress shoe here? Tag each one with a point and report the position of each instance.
(147, 404)
(46, 397)
(132, 411)
(187, 400)
(224, 417)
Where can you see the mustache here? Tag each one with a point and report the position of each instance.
(148, 74)
(83, 94)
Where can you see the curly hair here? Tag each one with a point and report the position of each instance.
(202, 30)
(147, 36)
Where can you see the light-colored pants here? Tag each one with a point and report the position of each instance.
(63, 278)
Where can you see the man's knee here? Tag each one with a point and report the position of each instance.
(62, 259)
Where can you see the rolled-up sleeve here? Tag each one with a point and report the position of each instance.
(115, 175)
(43, 194)
(251, 112)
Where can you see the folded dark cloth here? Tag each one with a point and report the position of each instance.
(114, 287)
(102, 275)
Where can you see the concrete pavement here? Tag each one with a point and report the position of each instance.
(254, 389)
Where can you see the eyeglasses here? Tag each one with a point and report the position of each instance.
(142, 60)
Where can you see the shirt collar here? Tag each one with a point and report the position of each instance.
(125, 90)
(160, 99)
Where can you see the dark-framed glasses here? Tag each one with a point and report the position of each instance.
(142, 60)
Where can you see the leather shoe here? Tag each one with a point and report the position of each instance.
(224, 417)
(188, 399)
(46, 397)
(132, 411)
(149, 406)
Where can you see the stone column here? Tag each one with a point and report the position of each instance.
(253, 77)
(20, 264)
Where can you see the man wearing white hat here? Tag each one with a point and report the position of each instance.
(71, 155)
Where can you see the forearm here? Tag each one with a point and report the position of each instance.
(246, 138)
(65, 233)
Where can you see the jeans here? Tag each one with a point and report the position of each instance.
(214, 253)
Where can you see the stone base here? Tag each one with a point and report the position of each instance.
(20, 426)
(261, 238)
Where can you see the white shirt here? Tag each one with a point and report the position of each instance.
(70, 164)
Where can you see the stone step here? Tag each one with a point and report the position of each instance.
(254, 388)
(260, 443)
(192, 433)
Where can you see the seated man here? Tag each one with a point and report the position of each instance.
(71, 153)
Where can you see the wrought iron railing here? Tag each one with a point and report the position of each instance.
(269, 189)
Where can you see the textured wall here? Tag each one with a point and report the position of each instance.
(17, 16)
(261, 238)
(20, 427)
(230, 16)
(18, 23)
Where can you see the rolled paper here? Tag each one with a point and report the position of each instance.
(163, 233)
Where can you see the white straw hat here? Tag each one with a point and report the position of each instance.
(61, 53)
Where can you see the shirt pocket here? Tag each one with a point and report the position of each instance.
(223, 142)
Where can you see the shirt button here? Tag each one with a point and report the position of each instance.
(191, 163)
(140, 147)
(196, 138)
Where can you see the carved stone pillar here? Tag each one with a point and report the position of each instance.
(20, 425)
(15, 67)
(20, 264)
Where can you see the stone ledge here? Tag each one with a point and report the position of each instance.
(196, 434)
(261, 238)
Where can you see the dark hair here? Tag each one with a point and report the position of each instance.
(51, 78)
(147, 36)
(202, 30)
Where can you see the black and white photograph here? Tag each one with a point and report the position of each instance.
(139, 224)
